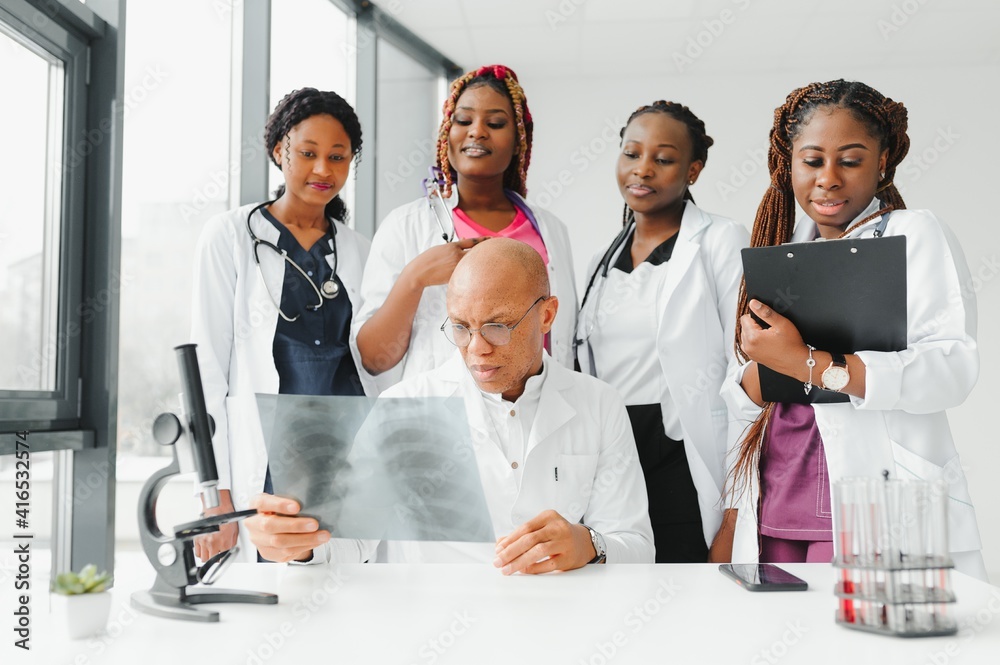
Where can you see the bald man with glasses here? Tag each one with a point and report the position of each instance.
(554, 448)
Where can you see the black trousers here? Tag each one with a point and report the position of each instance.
(673, 499)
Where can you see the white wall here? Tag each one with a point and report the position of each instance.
(955, 142)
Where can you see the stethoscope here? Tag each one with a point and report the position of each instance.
(603, 266)
(328, 290)
(433, 186)
(432, 190)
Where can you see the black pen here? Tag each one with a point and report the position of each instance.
(557, 474)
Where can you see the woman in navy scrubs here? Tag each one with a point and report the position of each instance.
(276, 288)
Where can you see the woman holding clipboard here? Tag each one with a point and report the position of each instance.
(834, 150)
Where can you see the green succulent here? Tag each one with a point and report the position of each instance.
(88, 581)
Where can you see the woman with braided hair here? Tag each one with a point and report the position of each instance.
(656, 322)
(835, 147)
(276, 287)
(483, 153)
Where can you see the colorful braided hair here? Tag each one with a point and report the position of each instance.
(503, 80)
(700, 141)
(298, 105)
(885, 121)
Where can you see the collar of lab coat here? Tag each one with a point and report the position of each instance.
(805, 227)
(693, 224)
(554, 410)
(686, 250)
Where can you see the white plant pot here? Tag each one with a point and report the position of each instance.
(81, 615)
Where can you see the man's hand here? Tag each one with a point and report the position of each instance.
(279, 534)
(562, 545)
(210, 544)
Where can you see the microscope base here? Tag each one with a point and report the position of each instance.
(180, 605)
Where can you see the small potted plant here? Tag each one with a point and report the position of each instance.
(83, 600)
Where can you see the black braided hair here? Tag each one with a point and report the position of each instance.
(884, 119)
(886, 122)
(298, 105)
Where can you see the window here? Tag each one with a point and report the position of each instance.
(409, 100)
(176, 174)
(39, 274)
(58, 270)
(29, 231)
(309, 41)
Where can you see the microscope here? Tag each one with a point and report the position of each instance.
(172, 555)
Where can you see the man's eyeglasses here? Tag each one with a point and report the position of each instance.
(495, 334)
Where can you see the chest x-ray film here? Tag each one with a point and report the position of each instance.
(390, 469)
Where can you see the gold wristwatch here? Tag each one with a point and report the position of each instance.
(836, 377)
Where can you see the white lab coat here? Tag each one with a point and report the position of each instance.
(696, 306)
(233, 322)
(581, 427)
(412, 229)
(901, 423)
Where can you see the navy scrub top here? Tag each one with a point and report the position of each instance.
(312, 353)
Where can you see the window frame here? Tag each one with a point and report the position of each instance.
(78, 421)
(57, 409)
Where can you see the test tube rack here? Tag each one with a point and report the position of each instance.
(913, 600)
(894, 570)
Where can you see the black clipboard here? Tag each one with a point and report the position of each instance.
(843, 296)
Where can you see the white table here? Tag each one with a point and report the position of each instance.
(471, 615)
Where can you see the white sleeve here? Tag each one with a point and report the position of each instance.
(587, 311)
(212, 316)
(727, 271)
(619, 510)
(563, 286)
(385, 262)
(342, 550)
(940, 364)
(743, 411)
(362, 246)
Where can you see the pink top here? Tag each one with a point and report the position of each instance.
(520, 229)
